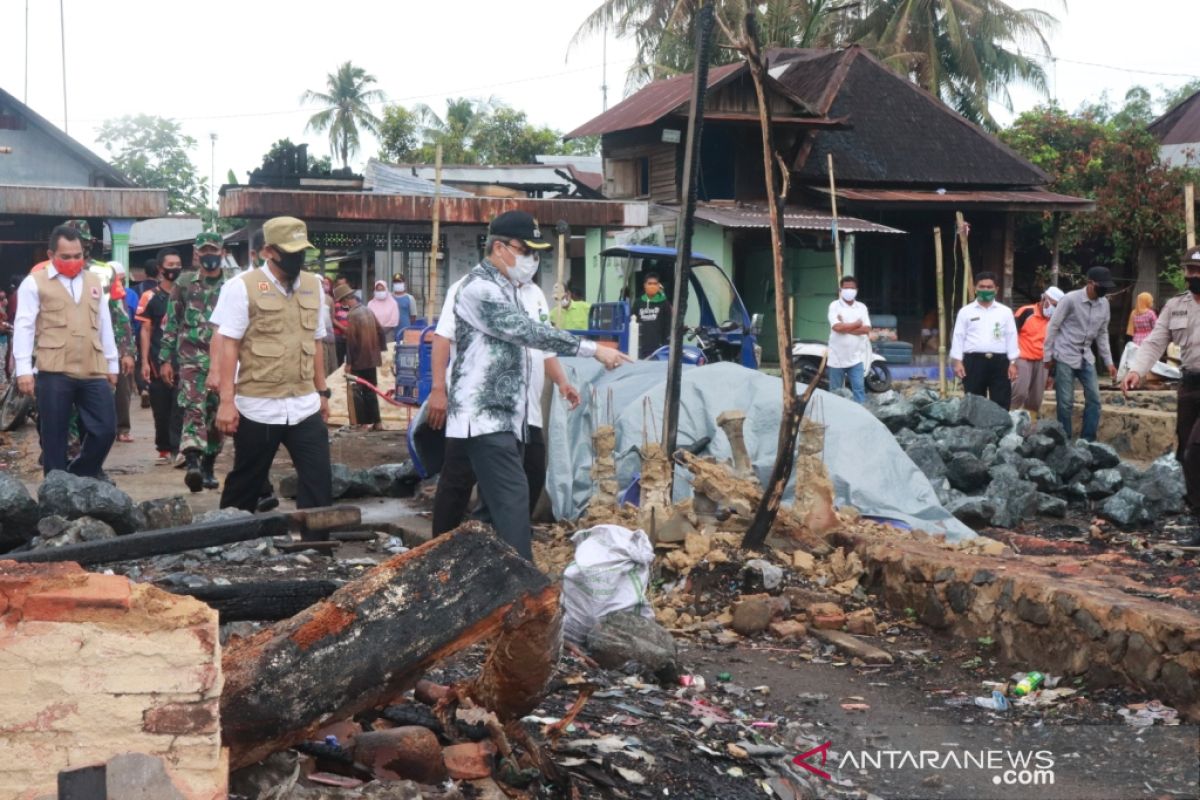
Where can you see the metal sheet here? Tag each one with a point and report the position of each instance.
(83, 202)
(368, 207)
(806, 219)
(1009, 199)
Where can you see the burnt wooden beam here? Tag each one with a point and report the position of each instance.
(162, 541)
(260, 601)
(376, 636)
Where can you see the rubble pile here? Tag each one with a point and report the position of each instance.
(381, 480)
(995, 468)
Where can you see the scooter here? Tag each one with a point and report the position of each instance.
(699, 348)
(806, 359)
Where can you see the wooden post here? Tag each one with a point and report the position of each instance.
(560, 288)
(431, 296)
(837, 245)
(1010, 236)
(961, 232)
(1055, 246)
(941, 305)
(1189, 207)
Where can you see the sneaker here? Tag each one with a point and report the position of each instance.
(180, 461)
(164, 457)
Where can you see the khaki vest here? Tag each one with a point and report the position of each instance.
(276, 356)
(68, 333)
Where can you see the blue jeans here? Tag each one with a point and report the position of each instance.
(1064, 397)
(838, 376)
(57, 394)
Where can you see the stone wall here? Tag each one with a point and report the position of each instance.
(1043, 613)
(93, 666)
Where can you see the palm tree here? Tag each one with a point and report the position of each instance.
(456, 131)
(965, 51)
(347, 102)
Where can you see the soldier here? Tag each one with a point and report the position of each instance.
(186, 340)
(1180, 318)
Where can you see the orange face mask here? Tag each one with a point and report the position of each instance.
(117, 290)
(70, 268)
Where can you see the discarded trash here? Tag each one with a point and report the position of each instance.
(609, 574)
(855, 707)
(997, 702)
(724, 677)
(1144, 715)
(696, 682)
(1029, 683)
(759, 573)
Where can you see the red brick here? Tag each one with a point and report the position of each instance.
(182, 719)
(104, 593)
(429, 692)
(470, 761)
(346, 732)
(409, 752)
(789, 630)
(826, 616)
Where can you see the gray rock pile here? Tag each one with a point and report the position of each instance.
(381, 480)
(993, 467)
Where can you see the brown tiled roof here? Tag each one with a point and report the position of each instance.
(899, 133)
(1180, 125)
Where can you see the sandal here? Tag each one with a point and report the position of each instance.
(124, 437)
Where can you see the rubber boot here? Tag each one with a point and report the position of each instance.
(194, 478)
(206, 469)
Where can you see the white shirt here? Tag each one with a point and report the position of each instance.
(847, 349)
(232, 318)
(29, 303)
(984, 330)
(533, 300)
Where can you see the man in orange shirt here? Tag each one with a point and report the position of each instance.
(1028, 388)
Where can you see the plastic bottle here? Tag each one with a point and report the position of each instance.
(1030, 683)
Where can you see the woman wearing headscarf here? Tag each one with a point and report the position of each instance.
(387, 314)
(1142, 318)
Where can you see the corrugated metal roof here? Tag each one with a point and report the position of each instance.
(653, 102)
(1038, 199)
(804, 219)
(390, 179)
(149, 232)
(83, 202)
(1181, 124)
(469, 210)
(501, 174)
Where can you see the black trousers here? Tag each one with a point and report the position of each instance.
(987, 376)
(162, 403)
(457, 479)
(495, 461)
(175, 429)
(366, 402)
(57, 395)
(254, 448)
(1187, 432)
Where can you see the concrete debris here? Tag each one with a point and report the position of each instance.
(629, 637)
(381, 480)
(73, 496)
(166, 512)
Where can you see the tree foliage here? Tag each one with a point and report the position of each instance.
(153, 153)
(347, 100)
(966, 51)
(1106, 154)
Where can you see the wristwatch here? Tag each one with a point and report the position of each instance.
(326, 393)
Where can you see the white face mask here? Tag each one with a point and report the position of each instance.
(524, 267)
(398, 287)
(381, 295)
(1048, 310)
(848, 295)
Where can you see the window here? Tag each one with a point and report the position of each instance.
(410, 255)
(643, 176)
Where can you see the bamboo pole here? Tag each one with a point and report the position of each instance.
(1189, 206)
(431, 294)
(941, 305)
(560, 288)
(837, 245)
(961, 239)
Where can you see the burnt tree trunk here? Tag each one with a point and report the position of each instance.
(259, 601)
(377, 635)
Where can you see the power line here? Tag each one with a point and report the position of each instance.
(381, 103)
(1114, 67)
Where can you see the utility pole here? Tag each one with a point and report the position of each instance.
(25, 98)
(212, 176)
(62, 34)
(604, 67)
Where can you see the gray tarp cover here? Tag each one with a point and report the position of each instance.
(869, 469)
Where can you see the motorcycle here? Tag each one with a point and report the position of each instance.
(14, 406)
(699, 346)
(807, 355)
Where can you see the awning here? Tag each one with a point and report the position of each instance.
(82, 202)
(804, 219)
(992, 199)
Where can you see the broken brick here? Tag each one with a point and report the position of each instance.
(470, 761)
(862, 622)
(752, 614)
(789, 630)
(409, 752)
(826, 616)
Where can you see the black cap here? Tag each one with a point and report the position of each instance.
(1192, 257)
(1101, 277)
(519, 225)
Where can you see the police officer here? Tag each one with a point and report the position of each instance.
(1179, 322)
(271, 325)
(186, 340)
(63, 318)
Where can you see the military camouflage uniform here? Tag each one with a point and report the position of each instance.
(186, 337)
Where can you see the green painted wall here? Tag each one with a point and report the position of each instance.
(593, 244)
(811, 277)
(715, 242)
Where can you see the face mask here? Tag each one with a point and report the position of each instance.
(849, 294)
(210, 262)
(68, 268)
(381, 295)
(524, 267)
(1193, 285)
(566, 302)
(171, 274)
(1101, 291)
(1048, 310)
(399, 287)
(291, 263)
(987, 295)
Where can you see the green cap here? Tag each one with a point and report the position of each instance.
(286, 233)
(81, 225)
(208, 238)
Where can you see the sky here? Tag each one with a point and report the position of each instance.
(238, 69)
